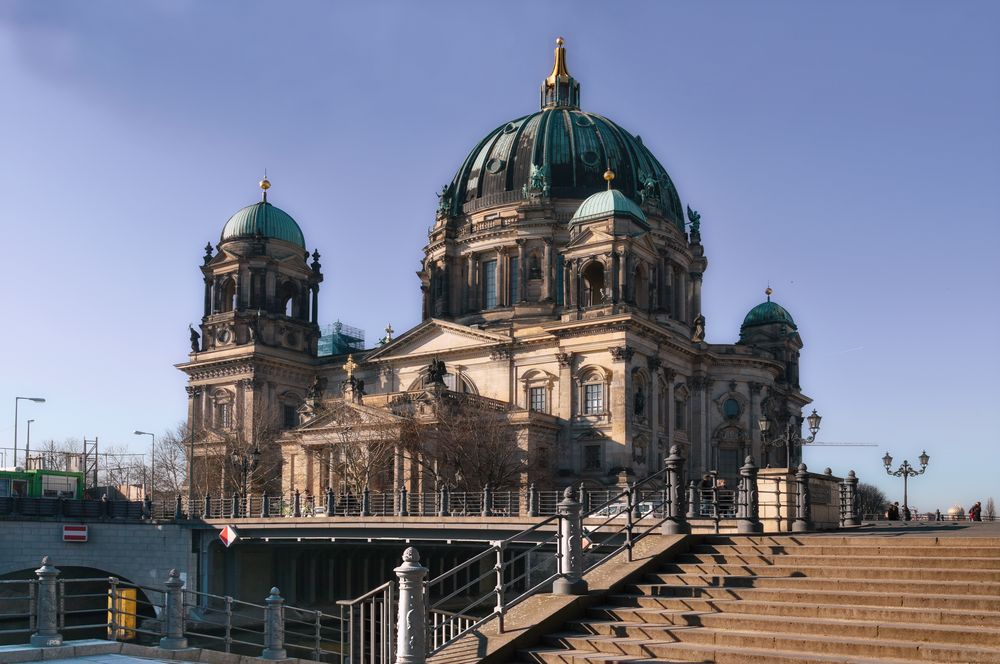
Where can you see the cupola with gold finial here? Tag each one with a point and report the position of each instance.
(263, 220)
(559, 89)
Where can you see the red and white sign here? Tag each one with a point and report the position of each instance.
(228, 535)
(74, 533)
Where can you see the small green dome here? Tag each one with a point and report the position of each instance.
(263, 220)
(766, 313)
(606, 204)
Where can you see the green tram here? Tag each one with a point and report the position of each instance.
(41, 484)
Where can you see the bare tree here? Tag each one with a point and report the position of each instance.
(870, 500)
(991, 510)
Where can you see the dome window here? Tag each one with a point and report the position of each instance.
(731, 409)
(509, 128)
(495, 165)
(589, 157)
(583, 121)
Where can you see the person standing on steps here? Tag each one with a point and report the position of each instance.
(976, 512)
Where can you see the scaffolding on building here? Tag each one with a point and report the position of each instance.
(338, 339)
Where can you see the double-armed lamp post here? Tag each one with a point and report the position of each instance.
(152, 461)
(906, 471)
(792, 434)
(246, 462)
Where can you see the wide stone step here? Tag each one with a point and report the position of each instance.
(880, 561)
(678, 612)
(669, 597)
(900, 549)
(671, 642)
(982, 637)
(900, 540)
(970, 574)
(695, 653)
(672, 581)
(564, 656)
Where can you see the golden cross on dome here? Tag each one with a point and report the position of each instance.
(350, 366)
(388, 332)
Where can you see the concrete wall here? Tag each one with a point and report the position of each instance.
(140, 552)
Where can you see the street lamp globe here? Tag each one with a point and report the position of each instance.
(814, 421)
(924, 459)
(764, 424)
(887, 459)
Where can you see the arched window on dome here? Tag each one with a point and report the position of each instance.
(288, 298)
(228, 300)
(593, 285)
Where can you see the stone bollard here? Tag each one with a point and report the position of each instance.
(178, 508)
(570, 547)
(404, 509)
(803, 502)
(692, 502)
(265, 513)
(532, 500)
(297, 504)
(274, 627)
(206, 507)
(366, 502)
(411, 627)
(331, 503)
(748, 521)
(676, 522)
(487, 501)
(234, 507)
(851, 500)
(47, 607)
(444, 504)
(173, 614)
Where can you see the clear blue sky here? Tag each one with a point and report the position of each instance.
(847, 152)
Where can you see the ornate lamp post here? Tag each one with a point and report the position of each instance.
(152, 461)
(246, 462)
(16, 400)
(792, 435)
(906, 471)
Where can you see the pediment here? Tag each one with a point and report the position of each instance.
(436, 336)
(338, 414)
(589, 237)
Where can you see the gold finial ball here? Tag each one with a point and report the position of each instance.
(609, 175)
(265, 184)
(559, 41)
(768, 291)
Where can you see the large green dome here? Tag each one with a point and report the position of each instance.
(569, 147)
(766, 313)
(263, 220)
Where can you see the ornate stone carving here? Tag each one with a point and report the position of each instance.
(669, 374)
(537, 188)
(564, 359)
(621, 353)
(755, 388)
(193, 391)
(502, 353)
(653, 363)
(699, 329)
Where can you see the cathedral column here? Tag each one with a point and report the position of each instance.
(670, 417)
(503, 290)
(208, 296)
(470, 283)
(239, 290)
(668, 295)
(695, 295)
(566, 406)
(622, 280)
(547, 279)
(315, 304)
(682, 310)
(521, 271)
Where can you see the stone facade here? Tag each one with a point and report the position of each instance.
(574, 309)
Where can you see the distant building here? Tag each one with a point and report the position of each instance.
(561, 285)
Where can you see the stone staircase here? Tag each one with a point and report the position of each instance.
(812, 599)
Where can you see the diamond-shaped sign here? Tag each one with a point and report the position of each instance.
(228, 535)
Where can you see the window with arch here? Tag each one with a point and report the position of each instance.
(489, 284)
(228, 299)
(537, 390)
(593, 386)
(288, 294)
(222, 409)
(593, 284)
(641, 285)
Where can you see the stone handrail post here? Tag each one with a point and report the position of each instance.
(692, 501)
(331, 503)
(47, 607)
(676, 522)
(444, 507)
(570, 546)
(748, 521)
(264, 511)
(173, 614)
(803, 501)
(366, 502)
(404, 508)
(532, 500)
(234, 506)
(274, 627)
(178, 508)
(411, 627)
(297, 503)
(850, 507)
(206, 506)
(487, 501)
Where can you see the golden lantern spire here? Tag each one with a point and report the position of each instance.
(559, 66)
(768, 291)
(559, 89)
(264, 185)
(609, 175)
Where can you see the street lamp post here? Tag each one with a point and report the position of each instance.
(246, 462)
(152, 462)
(906, 471)
(27, 448)
(16, 400)
(791, 436)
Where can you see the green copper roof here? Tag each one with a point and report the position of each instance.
(264, 220)
(766, 313)
(606, 204)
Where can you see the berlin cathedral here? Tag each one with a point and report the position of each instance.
(561, 288)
